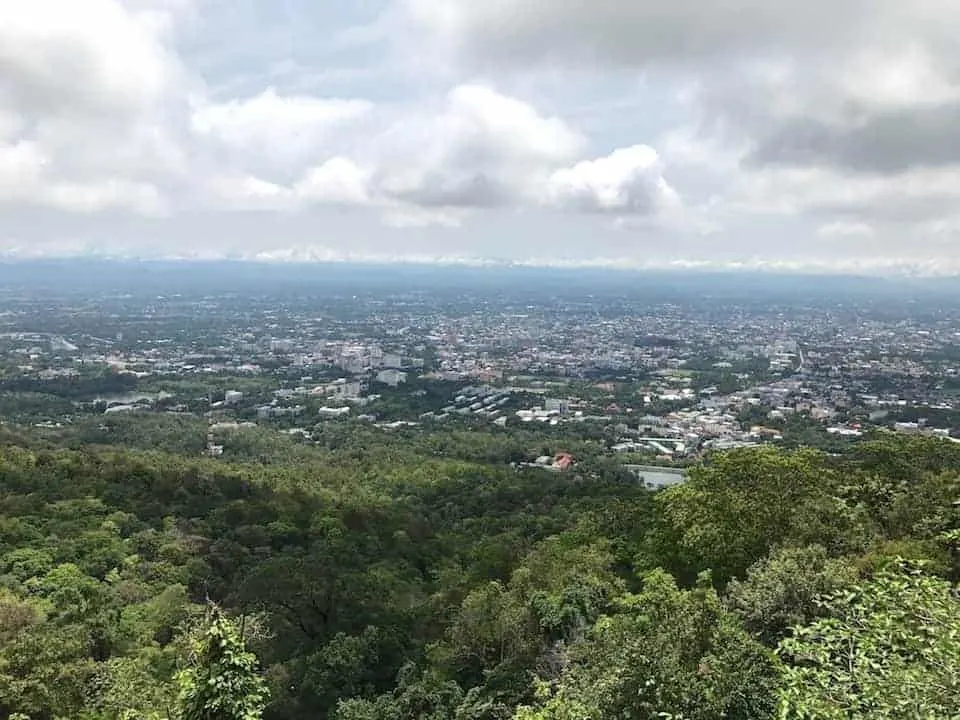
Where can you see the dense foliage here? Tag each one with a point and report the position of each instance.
(887, 648)
(406, 577)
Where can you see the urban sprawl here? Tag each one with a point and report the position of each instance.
(661, 382)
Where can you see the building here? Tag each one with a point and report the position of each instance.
(233, 397)
(59, 345)
(393, 378)
(562, 461)
(115, 409)
(281, 346)
(345, 389)
(329, 412)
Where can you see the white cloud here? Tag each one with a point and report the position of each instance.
(481, 120)
(906, 197)
(812, 111)
(24, 178)
(629, 180)
(247, 193)
(909, 77)
(86, 93)
(275, 128)
(21, 164)
(412, 217)
(941, 228)
(91, 197)
(339, 181)
(93, 57)
(480, 149)
(845, 229)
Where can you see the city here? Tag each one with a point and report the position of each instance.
(661, 382)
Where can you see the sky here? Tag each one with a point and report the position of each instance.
(819, 135)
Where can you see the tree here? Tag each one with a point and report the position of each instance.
(735, 509)
(222, 682)
(667, 652)
(417, 695)
(782, 591)
(889, 649)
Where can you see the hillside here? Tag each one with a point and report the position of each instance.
(401, 584)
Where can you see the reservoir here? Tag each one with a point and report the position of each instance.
(657, 478)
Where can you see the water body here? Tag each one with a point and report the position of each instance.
(657, 478)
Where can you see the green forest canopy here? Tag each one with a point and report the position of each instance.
(356, 583)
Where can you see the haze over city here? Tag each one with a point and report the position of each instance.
(759, 134)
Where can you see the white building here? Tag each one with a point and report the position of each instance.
(393, 378)
(345, 389)
(281, 346)
(233, 397)
(329, 412)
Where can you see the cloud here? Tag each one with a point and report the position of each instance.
(842, 229)
(242, 192)
(407, 217)
(339, 181)
(479, 150)
(90, 197)
(90, 58)
(910, 197)
(631, 33)
(25, 178)
(488, 124)
(274, 129)
(86, 90)
(868, 86)
(101, 111)
(878, 109)
(809, 110)
(629, 180)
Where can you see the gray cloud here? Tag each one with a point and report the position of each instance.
(639, 32)
(454, 189)
(887, 142)
(833, 108)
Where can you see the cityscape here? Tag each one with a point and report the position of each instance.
(662, 381)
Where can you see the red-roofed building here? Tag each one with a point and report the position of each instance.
(563, 461)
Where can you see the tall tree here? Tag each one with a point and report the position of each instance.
(782, 591)
(222, 682)
(666, 653)
(736, 508)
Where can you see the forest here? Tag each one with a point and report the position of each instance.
(428, 578)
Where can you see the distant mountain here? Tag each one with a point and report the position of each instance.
(155, 276)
